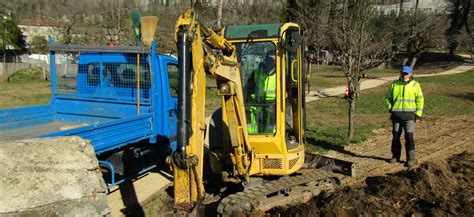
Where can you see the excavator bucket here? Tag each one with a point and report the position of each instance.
(316, 161)
(148, 26)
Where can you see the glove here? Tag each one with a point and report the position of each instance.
(418, 118)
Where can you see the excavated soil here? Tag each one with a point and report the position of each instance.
(436, 138)
(436, 188)
(440, 185)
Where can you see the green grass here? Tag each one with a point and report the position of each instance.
(324, 76)
(213, 101)
(22, 94)
(329, 137)
(447, 95)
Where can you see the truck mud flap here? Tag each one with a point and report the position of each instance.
(316, 161)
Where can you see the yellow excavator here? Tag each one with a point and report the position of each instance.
(256, 140)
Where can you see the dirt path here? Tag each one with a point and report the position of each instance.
(371, 83)
(435, 139)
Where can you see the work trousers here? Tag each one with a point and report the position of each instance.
(262, 118)
(398, 127)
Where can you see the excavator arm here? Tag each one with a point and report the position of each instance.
(201, 51)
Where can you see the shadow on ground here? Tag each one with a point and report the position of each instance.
(340, 148)
(465, 96)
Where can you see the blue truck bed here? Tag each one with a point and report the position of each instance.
(122, 99)
(106, 133)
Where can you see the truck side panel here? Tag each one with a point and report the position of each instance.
(113, 134)
(92, 110)
(22, 117)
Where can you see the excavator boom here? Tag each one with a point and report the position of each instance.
(201, 51)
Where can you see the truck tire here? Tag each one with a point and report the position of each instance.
(51, 177)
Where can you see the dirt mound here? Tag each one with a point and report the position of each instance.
(434, 188)
(28, 74)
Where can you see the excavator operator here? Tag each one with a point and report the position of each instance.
(261, 96)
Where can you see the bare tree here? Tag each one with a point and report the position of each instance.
(401, 7)
(427, 32)
(315, 18)
(356, 34)
(114, 19)
(420, 30)
(459, 20)
(256, 13)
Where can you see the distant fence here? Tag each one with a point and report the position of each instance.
(7, 69)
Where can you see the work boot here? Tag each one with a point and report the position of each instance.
(393, 160)
(410, 163)
(410, 159)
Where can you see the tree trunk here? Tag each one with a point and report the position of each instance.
(401, 8)
(350, 134)
(413, 60)
(219, 14)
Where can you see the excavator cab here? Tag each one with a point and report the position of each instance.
(270, 60)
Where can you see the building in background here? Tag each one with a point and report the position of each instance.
(434, 5)
(43, 28)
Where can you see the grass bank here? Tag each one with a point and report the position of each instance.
(447, 95)
(20, 94)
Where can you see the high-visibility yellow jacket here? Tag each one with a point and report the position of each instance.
(265, 86)
(405, 97)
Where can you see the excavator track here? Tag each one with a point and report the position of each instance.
(297, 188)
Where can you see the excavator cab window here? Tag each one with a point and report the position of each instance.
(258, 70)
(292, 44)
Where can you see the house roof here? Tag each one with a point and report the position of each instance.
(40, 22)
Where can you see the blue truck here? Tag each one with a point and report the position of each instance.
(122, 98)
